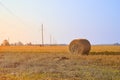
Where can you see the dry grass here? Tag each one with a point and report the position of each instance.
(34, 49)
(105, 48)
(55, 48)
(112, 50)
(18, 63)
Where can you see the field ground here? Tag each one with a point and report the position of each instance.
(56, 63)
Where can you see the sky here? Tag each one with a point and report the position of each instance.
(63, 20)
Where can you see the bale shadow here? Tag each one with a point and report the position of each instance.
(104, 53)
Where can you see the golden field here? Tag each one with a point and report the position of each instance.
(54, 49)
(34, 49)
(56, 63)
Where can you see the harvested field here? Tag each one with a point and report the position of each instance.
(56, 63)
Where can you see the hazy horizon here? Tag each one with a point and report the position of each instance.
(64, 20)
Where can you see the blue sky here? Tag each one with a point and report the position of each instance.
(96, 20)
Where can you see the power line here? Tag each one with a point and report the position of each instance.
(8, 10)
(12, 13)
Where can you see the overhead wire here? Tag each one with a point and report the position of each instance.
(19, 19)
(12, 13)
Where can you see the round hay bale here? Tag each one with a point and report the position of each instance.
(80, 46)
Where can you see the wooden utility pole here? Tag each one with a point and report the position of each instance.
(50, 39)
(42, 35)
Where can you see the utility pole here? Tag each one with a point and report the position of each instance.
(42, 35)
(50, 39)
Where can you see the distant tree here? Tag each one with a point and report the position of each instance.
(19, 44)
(29, 44)
(116, 44)
(5, 43)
